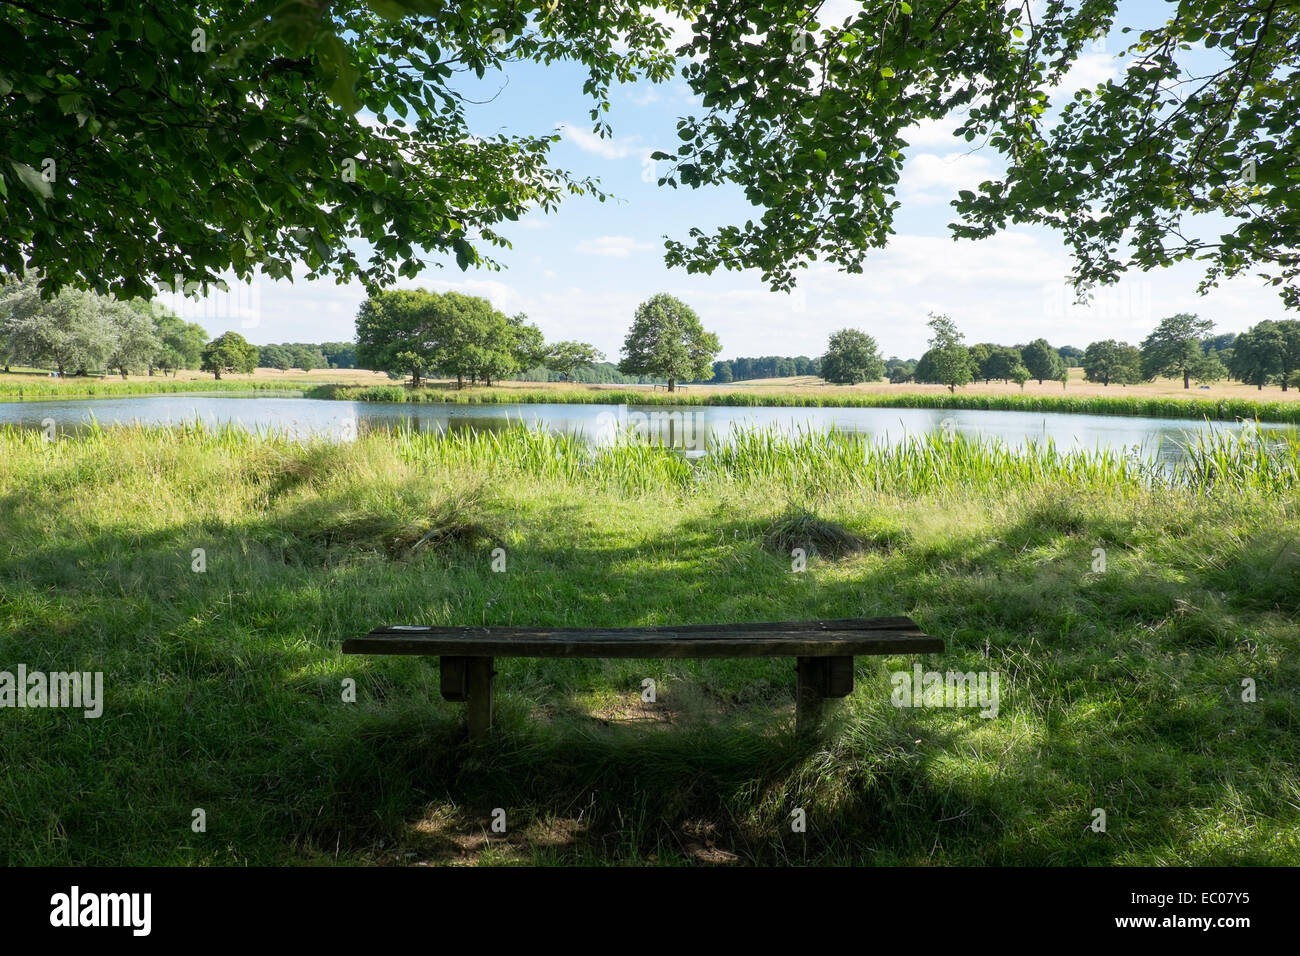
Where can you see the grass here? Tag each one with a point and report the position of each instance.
(105, 387)
(1222, 409)
(1120, 689)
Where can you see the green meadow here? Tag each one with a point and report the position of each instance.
(1123, 688)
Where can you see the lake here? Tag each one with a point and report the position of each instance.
(692, 428)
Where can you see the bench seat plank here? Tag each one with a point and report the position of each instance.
(829, 638)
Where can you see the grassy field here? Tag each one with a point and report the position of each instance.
(1120, 690)
(32, 383)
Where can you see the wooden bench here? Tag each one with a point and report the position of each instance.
(824, 651)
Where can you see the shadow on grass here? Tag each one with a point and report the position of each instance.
(224, 693)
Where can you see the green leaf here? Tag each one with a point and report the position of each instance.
(32, 179)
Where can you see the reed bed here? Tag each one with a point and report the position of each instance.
(813, 459)
(1154, 407)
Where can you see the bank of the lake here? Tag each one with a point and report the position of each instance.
(1121, 685)
(1145, 406)
(70, 388)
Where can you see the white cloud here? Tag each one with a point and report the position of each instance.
(931, 133)
(647, 96)
(617, 246)
(930, 178)
(586, 140)
(1085, 73)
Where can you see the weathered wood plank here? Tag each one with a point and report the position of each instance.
(453, 678)
(837, 638)
(478, 705)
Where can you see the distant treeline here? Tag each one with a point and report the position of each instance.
(767, 366)
(307, 355)
(598, 373)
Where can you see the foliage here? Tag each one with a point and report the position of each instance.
(229, 352)
(567, 357)
(190, 141)
(947, 362)
(667, 340)
(851, 357)
(1174, 347)
(1111, 361)
(1041, 360)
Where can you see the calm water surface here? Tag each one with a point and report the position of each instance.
(693, 428)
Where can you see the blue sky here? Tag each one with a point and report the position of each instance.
(580, 272)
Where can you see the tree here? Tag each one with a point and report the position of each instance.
(1070, 355)
(722, 373)
(1174, 348)
(851, 358)
(391, 327)
(182, 342)
(268, 95)
(1042, 360)
(667, 340)
(1290, 329)
(809, 118)
(1209, 369)
(947, 362)
(566, 358)
(71, 331)
(135, 337)
(229, 352)
(1257, 354)
(899, 370)
(979, 354)
(1119, 169)
(275, 356)
(1111, 361)
(528, 348)
(307, 357)
(340, 354)
(1001, 363)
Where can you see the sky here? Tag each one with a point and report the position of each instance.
(580, 272)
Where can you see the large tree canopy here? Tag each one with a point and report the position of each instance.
(812, 120)
(150, 142)
(161, 142)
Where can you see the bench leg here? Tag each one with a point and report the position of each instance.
(819, 678)
(479, 674)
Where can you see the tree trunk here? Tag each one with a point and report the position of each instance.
(672, 385)
(460, 381)
(123, 372)
(1187, 379)
(216, 374)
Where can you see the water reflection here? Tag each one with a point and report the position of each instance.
(692, 429)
